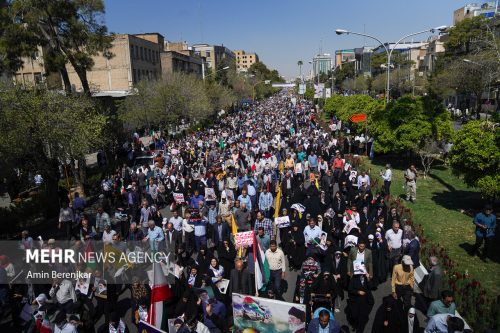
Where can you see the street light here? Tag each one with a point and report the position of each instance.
(389, 53)
(203, 70)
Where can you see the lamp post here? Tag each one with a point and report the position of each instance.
(203, 70)
(389, 53)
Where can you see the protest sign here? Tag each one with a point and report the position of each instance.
(210, 194)
(282, 221)
(267, 315)
(179, 198)
(244, 238)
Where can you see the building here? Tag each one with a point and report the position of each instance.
(136, 57)
(343, 56)
(33, 72)
(245, 60)
(322, 64)
(363, 63)
(179, 57)
(487, 9)
(434, 49)
(213, 54)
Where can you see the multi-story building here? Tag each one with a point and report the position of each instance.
(135, 57)
(363, 63)
(245, 60)
(179, 57)
(322, 64)
(343, 56)
(213, 54)
(434, 49)
(487, 9)
(33, 72)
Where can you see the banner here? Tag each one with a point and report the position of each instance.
(179, 198)
(244, 238)
(319, 90)
(328, 93)
(302, 89)
(143, 327)
(282, 221)
(210, 194)
(267, 315)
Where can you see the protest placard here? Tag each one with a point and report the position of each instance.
(282, 221)
(244, 238)
(210, 194)
(179, 198)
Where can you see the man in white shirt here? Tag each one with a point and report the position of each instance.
(394, 239)
(387, 177)
(311, 232)
(176, 221)
(363, 178)
(107, 235)
(64, 293)
(277, 265)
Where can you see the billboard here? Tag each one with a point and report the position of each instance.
(267, 315)
(319, 90)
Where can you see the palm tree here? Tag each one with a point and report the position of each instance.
(300, 63)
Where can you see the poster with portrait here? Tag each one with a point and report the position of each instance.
(267, 315)
(359, 267)
(210, 194)
(282, 221)
(222, 285)
(101, 287)
(322, 240)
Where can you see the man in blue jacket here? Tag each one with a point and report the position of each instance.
(485, 223)
(323, 324)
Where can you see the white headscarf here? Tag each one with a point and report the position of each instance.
(411, 321)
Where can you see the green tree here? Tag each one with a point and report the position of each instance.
(164, 102)
(45, 129)
(475, 155)
(72, 30)
(407, 122)
(343, 107)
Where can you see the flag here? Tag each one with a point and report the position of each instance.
(234, 228)
(144, 327)
(88, 249)
(221, 144)
(160, 292)
(277, 204)
(262, 272)
(44, 325)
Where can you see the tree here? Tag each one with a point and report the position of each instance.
(406, 123)
(45, 129)
(344, 72)
(428, 152)
(475, 155)
(164, 102)
(72, 30)
(343, 107)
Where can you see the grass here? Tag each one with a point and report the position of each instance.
(442, 200)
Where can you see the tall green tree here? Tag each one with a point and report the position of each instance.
(407, 122)
(475, 155)
(73, 31)
(44, 129)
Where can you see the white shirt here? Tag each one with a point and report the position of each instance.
(177, 222)
(394, 240)
(311, 233)
(107, 237)
(360, 256)
(186, 226)
(387, 176)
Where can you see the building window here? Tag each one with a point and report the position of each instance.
(207, 54)
(142, 53)
(38, 77)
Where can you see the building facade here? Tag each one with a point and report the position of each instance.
(135, 57)
(213, 54)
(34, 72)
(245, 60)
(487, 9)
(343, 56)
(322, 64)
(179, 57)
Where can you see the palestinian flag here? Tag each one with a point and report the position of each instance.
(251, 304)
(262, 272)
(160, 292)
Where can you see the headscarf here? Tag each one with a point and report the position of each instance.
(411, 321)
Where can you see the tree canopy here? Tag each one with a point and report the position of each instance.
(475, 155)
(407, 122)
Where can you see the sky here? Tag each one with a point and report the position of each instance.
(281, 32)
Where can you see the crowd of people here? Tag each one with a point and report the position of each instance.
(244, 173)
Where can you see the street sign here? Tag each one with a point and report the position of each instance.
(358, 118)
